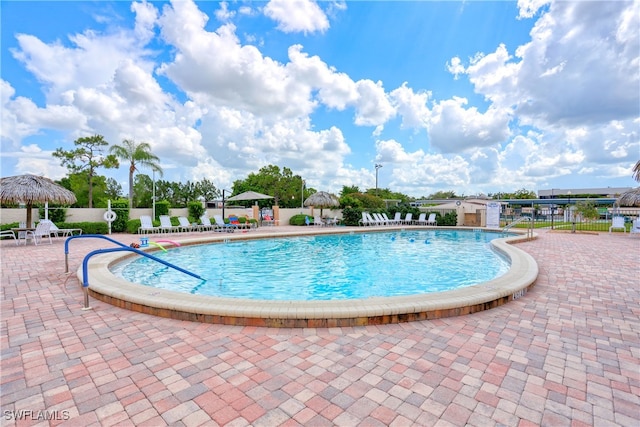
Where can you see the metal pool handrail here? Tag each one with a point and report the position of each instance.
(123, 247)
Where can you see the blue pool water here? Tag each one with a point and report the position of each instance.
(326, 267)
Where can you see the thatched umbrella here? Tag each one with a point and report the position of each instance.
(630, 198)
(322, 199)
(30, 189)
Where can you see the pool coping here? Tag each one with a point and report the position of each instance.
(107, 287)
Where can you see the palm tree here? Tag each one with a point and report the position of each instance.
(137, 155)
(636, 171)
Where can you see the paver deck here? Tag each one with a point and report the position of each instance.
(567, 353)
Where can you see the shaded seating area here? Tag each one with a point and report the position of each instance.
(42, 230)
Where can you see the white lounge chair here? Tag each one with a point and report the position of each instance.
(166, 226)
(379, 219)
(64, 232)
(206, 223)
(397, 220)
(9, 233)
(386, 219)
(365, 220)
(186, 226)
(43, 229)
(422, 219)
(318, 222)
(408, 219)
(222, 226)
(635, 227)
(146, 225)
(432, 219)
(617, 223)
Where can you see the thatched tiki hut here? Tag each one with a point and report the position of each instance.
(630, 198)
(30, 189)
(322, 199)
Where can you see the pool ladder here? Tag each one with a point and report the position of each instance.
(518, 221)
(123, 247)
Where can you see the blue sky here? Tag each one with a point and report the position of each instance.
(474, 97)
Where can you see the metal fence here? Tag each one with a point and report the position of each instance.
(568, 218)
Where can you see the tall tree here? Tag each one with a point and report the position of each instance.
(285, 187)
(87, 157)
(137, 154)
(636, 171)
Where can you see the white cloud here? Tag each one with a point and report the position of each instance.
(297, 16)
(372, 106)
(411, 106)
(452, 128)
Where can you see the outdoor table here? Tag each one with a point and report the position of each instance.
(21, 233)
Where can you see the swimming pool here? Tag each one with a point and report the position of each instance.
(107, 287)
(327, 267)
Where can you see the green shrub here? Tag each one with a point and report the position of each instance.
(299, 219)
(162, 208)
(56, 214)
(351, 216)
(196, 210)
(449, 219)
(121, 208)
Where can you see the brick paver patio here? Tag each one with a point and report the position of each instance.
(565, 354)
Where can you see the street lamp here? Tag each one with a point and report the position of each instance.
(378, 166)
(153, 202)
(302, 195)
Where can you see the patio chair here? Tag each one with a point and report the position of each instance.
(408, 219)
(364, 221)
(379, 219)
(186, 226)
(422, 219)
(43, 229)
(333, 222)
(635, 227)
(166, 226)
(386, 219)
(64, 232)
(146, 225)
(8, 233)
(396, 219)
(222, 226)
(267, 220)
(618, 222)
(432, 219)
(206, 224)
(318, 222)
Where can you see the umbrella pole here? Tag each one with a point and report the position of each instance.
(29, 208)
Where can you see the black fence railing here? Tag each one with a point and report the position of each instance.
(569, 218)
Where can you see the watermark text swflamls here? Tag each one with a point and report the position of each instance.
(30, 414)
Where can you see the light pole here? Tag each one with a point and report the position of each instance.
(302, 195)
(573, 223)
(378, 166)
(153, 201)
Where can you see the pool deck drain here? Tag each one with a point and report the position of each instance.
(114, 290)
